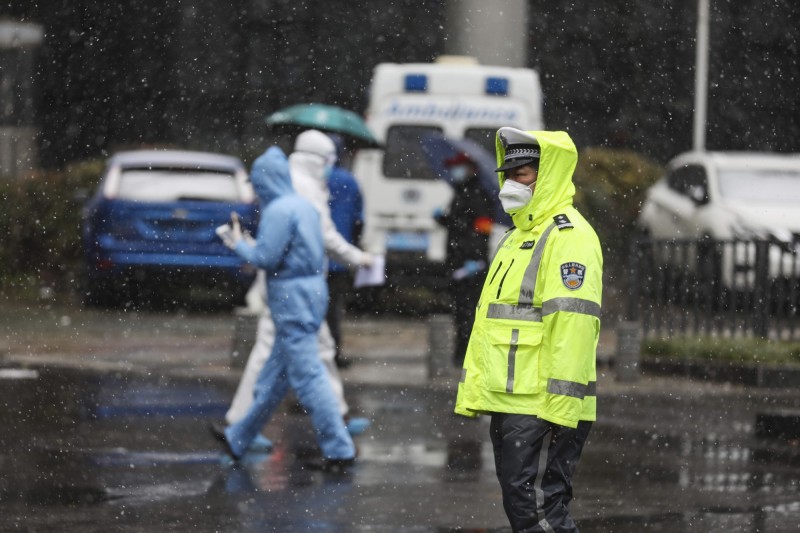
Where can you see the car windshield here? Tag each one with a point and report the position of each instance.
(172, 184)
(775, 186)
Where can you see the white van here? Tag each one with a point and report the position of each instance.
(455, 97)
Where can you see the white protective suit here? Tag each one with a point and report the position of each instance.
(314, 151)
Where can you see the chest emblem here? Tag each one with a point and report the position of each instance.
(527, 245)
(572, 274)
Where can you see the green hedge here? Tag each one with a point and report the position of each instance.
(40, 226)
(610, 188)
(740, 350)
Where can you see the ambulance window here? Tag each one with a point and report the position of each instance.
(404, 157)
(484, 137)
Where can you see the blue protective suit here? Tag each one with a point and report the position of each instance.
(289, 247)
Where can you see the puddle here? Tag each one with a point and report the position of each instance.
(136, 449)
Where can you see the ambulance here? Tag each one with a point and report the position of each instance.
(454, 96)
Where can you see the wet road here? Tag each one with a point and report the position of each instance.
(105, 416)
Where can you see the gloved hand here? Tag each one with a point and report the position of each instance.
(367, 260)
(439, 215)
(469, 269)
(231, 233)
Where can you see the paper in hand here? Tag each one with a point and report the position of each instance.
(371, 276)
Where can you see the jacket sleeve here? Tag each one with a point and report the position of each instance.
(275, 231)
(336, 246)
(571, 274)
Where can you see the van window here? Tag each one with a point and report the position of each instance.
(483, 137)
(404, 157)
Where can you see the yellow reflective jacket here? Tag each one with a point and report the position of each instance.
(534, 341)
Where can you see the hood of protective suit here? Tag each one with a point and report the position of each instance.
(316, 142)
(554, 188)
(270, 175)
(314, 152)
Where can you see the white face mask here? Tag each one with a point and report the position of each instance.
(459, 173)
(514, 196)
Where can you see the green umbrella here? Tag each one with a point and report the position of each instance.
(323, 117)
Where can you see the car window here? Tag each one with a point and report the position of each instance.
(760, 185)
(687, 179)
(404, 157)
(172, 184)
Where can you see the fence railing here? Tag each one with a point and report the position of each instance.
(715, 288)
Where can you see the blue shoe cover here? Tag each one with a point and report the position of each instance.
(357, 425)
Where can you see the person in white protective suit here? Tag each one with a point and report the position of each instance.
(309, 164)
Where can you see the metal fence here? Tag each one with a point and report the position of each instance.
(715, 288)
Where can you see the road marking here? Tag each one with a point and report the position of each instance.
(18, 373)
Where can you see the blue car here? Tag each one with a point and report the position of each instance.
(150, 226)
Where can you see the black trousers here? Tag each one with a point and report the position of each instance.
(535, 461)
(464, 296)
(339, 284)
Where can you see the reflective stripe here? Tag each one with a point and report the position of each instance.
(514, 312)
(463, 375)
(528, 285)
(537, 484)
(571, 388)
(512, 359)
(573, 305)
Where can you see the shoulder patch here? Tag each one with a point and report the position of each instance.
(572, 275)
(562, 222)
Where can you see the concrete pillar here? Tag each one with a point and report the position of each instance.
(440, 346)
(244, 336)
(19, 43)
(629, 347)
(496, 33)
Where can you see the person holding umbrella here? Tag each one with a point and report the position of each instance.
(468, 222)
(347, 211)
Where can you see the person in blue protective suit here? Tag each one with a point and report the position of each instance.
(347, 213)
(309, 165)
(289, 248)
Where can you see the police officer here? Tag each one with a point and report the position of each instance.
(530, 363)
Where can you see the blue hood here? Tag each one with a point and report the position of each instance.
(270, 175)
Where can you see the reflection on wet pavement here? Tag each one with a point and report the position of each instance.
(91, 450)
